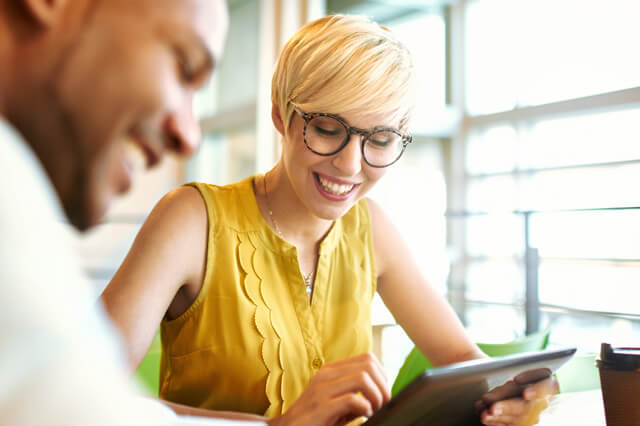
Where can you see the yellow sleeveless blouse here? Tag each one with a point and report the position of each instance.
(252, 341)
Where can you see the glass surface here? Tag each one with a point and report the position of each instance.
(611, 234)
(495, 280)
(489, 323)
(493, 194)
(492, 149)
(495, 235)
(228, 155)
(424, 36)
(586, 332)
(492, 63)
(521, 53)
(597, 286)
(572, 140)
(581, 188)
(210, 164)
(593, 187)
(582, 139)
(237, 73)
(530, 52)
(205, 100)
(224, 158)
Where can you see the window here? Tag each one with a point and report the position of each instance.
(533, 52)
(550, 148)
(227, 106)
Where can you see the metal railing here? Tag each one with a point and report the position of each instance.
(531, 260)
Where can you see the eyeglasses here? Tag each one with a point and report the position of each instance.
(328, 134)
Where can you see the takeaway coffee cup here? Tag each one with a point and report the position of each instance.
(620, 380)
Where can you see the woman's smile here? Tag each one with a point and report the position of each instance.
(334, 189)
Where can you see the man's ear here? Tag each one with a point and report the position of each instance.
(277, 119)
(44, 12)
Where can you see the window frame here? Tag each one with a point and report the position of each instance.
(458, 179)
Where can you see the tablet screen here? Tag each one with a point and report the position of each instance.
(445, 396)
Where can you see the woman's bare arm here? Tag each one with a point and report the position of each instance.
(422, 312)
(162, 273)
(433, 325)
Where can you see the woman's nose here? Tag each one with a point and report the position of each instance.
(349, 159)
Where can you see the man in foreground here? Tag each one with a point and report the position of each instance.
(80, 79)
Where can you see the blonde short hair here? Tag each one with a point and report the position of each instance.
(344, 64)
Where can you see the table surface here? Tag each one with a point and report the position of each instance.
(575, 408)
(565, 409)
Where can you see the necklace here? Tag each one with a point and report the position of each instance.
(305, 277)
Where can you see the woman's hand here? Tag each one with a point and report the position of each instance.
(339, 392)
(519, 401)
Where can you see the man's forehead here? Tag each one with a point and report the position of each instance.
(205, 20)
(209, 19)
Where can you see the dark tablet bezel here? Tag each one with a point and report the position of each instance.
(445, 396)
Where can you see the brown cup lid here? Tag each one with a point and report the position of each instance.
(619, 358)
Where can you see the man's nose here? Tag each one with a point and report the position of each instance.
(182, 129)
(349, 159)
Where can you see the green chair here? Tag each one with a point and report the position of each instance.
(148, 373)
(415, 363)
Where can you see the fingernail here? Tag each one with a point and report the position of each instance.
(497, 411)
(529, 394)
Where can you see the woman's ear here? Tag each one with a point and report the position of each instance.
(44, 12)
(277, 119)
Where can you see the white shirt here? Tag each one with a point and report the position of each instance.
(61, 363)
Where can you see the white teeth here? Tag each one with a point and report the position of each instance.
(333, 187)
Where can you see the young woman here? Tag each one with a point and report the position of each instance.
(262, 289)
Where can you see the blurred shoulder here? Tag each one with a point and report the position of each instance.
(182, 208)
(379, 219)
(387, 242)
(186, 198)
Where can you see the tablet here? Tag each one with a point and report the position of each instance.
(445, 396)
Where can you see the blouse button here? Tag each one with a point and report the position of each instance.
(317, 363)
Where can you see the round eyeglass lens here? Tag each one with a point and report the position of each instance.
(383, 148)
(325, 135)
